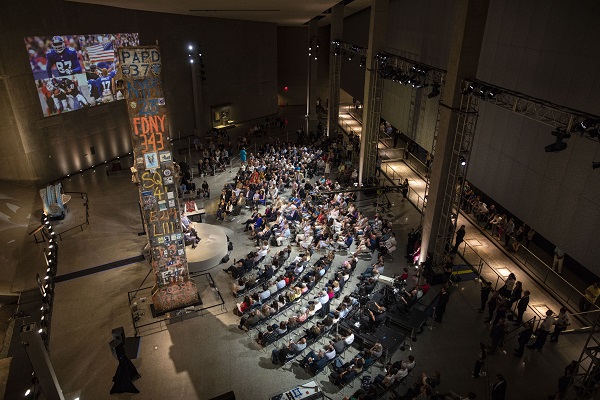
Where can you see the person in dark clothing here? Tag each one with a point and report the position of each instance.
(521, 307)
(497, 334)
(440, 308)
(498, 391)
(486, 289)
(523, 339)
(492, 304)
(460, 236)
(480, 361)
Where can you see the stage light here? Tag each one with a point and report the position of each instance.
(27, 392)
(560, 133)
(491, 93)
(462, 160)
(190, 47)
(557, 146)
(40, 330)
(595, 164)
(350, 56)
(435, 91)
(585, 124)
(191, 60)
(470, 88)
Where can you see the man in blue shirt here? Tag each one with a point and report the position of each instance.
(64, 58)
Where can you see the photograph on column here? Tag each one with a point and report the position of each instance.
(72, 72)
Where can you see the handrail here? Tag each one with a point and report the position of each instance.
(499, 278)
(547, 275)
(87, 214)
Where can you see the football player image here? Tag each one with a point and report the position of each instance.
(64, 58)
(58, 94)
(106, 85)
(74, 94)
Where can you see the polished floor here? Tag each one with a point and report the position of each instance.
(206, 356)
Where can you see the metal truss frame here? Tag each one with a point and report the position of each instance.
(547, 113)
(586, 381)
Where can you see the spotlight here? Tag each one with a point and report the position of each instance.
(491, 93)
(557, 146)
(462, 160)
(585, 124)
(27, 392)
(470, 88)
(596, 164)
(350, 56)
(561, 133)
(190, 47)
(435, 91)
(594, 132)
(191, 60)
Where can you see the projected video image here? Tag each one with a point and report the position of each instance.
(76, 71)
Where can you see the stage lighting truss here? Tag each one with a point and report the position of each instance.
(411, 73)
(553, 115)
(349, 50)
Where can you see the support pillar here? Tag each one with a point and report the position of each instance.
(373, 94)
(335, 67)
(455, 116)
(311, 94)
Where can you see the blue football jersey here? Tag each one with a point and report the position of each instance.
(66, 62)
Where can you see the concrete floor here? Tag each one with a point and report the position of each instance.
(205, 356)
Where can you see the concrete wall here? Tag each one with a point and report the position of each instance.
(548, 50)
(292, 64)
(241, 68)
(356, 32)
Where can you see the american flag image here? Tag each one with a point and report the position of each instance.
(101, 52)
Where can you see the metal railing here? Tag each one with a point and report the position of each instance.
(487, 272)
(544, 274)
(87, 214)
(417, 165)
(419, 202)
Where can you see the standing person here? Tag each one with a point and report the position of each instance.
(543, 331)
(404, 189)
(396, 136)
(523, 339)
(480, 360)
(492, 304)
(440, 308)
(497, 335)
(460, 236)
(508, 231)
(243, 155)
(521, 307)
(407, 150)
(378, 167)
(516, 294)
(559, 257)
(498, 391)
(563, 320)
(529, 238)
(589, 298)
(486, 289)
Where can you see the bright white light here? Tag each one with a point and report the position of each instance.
(191, 60)
(27, 392)
(40, 331)
(190, 47)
